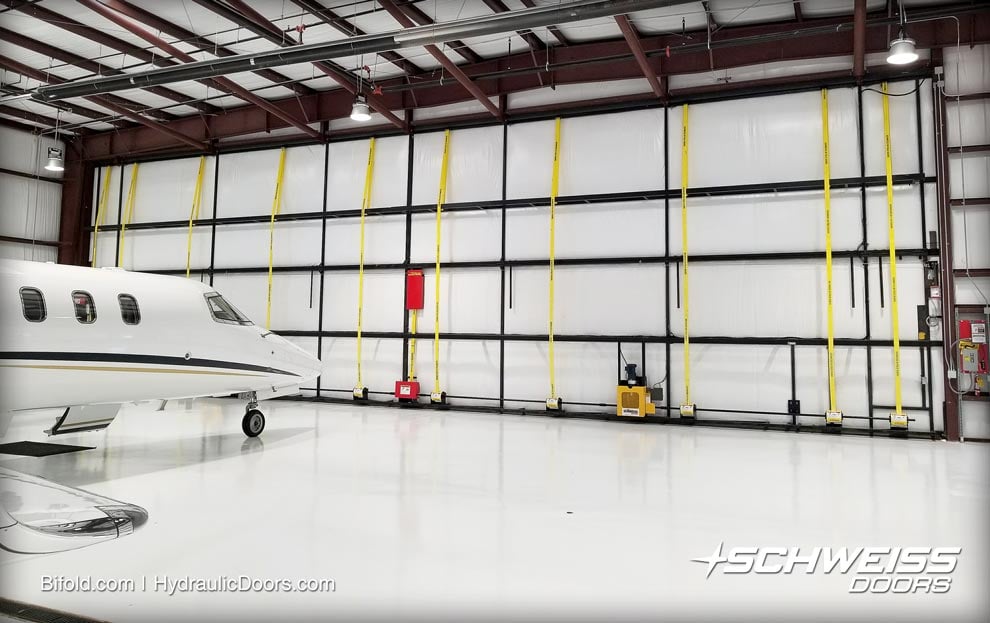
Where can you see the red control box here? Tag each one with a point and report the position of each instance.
(414, 289)
(975, 332)
(407, 390)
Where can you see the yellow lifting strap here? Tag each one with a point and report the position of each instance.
(194, 211)
(832, 403)
(365, 204)
(894, 320)
(441, 199)
(684, 254)
(554, 188)
(276, 208)
(101, 210)
(128, 212)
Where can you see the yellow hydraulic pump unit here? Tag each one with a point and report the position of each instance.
(634, 397)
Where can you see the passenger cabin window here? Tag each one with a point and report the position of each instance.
(33, 304)
(130, 313)
(224, 312)
(85, 308)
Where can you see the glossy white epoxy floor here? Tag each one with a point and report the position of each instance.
(455, 515)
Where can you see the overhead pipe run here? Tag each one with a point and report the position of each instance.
(419, 36)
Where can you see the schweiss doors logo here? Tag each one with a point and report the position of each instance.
(873, 569)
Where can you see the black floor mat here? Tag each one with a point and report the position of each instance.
(34, 448)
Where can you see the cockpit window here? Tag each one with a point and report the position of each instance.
(85, 308)
(223, 311)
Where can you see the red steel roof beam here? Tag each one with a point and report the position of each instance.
(338, 74)
(223, 83)
(187, 36)
(333, 20)
(445, 62)
(632, 40)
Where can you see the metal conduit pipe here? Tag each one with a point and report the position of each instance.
(579, 10)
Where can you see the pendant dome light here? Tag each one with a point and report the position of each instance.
(902, 49)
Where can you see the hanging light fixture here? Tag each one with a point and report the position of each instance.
(360, 110)
(902, 49)
(55, 162)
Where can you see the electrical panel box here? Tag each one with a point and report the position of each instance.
(974, 356)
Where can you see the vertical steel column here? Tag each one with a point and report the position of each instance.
(323, 263)
(75, 207)
(501, 316)
(951, 408)
(120, 213)
(666, 249)
(213, 221)
(408, 250)
(866, 259)
(924, 353)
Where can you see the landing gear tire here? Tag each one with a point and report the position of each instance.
(253, 423)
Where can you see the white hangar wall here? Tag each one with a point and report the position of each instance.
(30, 197)
(618, 244)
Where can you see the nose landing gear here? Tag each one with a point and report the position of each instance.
(254, 420)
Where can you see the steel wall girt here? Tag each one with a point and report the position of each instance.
(574, 64)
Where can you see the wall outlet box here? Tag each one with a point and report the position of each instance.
(951, 374)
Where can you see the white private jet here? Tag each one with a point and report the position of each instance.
(87, 340)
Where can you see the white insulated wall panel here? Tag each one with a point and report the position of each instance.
(467, 368)
(729, 377)
(113, 195)
(474, 166)
(586, 230)
(772, 299)
(907, 216)
(766, 139)
(595, 300)
(106, 249)
(968, 122)
(967, 69)
(974, 420)
(585, 373)
(381, 363)
(291, 294)
(346, 172)
(767, 223)
(165, 190)
(972, 290)
(604, 153)
(384, 240)
(903, 130)
(161, 249)
(910, 291)
(383, 301)
(969, 175)
(26, 152)
(18, 251)
(469, 235)
(469, 301)
(246, 185)
(29, 208)
(971, 236)
(296, 244)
